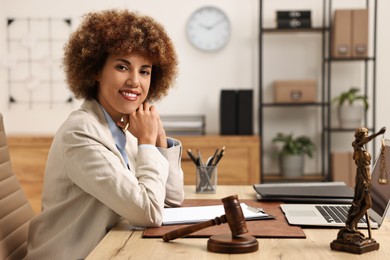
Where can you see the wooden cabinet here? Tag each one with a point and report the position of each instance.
(240, 164)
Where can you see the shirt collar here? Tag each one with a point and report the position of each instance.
(118, 135)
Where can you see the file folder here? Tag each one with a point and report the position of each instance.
(245, 112)
(228, 108)
(236, 116)
(341, 33)
(359, 33)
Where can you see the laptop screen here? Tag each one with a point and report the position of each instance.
(380, 193)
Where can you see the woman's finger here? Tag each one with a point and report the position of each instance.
(146, 106)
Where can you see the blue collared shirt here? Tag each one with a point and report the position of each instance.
(118, 135)
(120, 138)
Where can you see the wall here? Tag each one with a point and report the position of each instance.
(202, 75)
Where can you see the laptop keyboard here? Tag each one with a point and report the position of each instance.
(335, 214)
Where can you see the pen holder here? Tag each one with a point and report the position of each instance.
(206, 179)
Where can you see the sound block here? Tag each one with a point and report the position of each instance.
(340, 245)
(227, 244)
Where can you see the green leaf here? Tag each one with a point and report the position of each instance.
(351, 96)
(294, 145)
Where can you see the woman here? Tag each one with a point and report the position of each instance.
(111, 158)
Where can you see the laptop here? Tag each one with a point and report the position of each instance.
(329, 215)
(313, 192)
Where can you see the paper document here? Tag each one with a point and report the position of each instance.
(189, 215)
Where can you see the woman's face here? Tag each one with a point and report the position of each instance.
(124, 83)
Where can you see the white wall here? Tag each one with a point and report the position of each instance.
(202, 75)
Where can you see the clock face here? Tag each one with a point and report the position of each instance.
(208, 29)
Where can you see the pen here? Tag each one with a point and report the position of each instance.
(192, 157)
(220, 155)
(210, 162)
(200, 161)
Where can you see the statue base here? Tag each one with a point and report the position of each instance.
(353, 242)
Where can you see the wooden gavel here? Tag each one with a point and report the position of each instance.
(233, 216)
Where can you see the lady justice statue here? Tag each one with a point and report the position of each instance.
(349, 238)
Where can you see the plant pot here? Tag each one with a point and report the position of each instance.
(291, 165)
(350, 116)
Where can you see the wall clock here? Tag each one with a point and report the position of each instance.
(208, 29)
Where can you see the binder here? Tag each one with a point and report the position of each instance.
(228, 108)
(360, 33)
(244, 112)
(293, 23)
(293, 14)
(341, 41)
(236, 112)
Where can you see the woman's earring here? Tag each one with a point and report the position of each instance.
(383, 178)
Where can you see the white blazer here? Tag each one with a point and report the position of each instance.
(87, 188)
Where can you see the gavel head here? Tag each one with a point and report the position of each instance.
(234, 215)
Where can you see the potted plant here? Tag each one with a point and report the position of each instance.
(291, 154)
(351, 107)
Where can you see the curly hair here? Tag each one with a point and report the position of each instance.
(118, 32)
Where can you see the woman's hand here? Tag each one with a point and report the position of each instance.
(161, 136)
(144, 124)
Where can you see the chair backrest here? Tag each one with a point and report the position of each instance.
(15, 210)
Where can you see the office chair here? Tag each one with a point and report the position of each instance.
(15, 210)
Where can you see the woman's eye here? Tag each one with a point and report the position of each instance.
(121, 67)
(145, 72)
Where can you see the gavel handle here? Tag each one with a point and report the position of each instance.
(181, 232)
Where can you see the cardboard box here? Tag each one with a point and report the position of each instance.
(295, 91)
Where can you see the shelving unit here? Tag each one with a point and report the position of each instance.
(323, 107)
(369, 86)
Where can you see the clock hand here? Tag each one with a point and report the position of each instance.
(210, 26)
(215, 24)
(204, 26)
